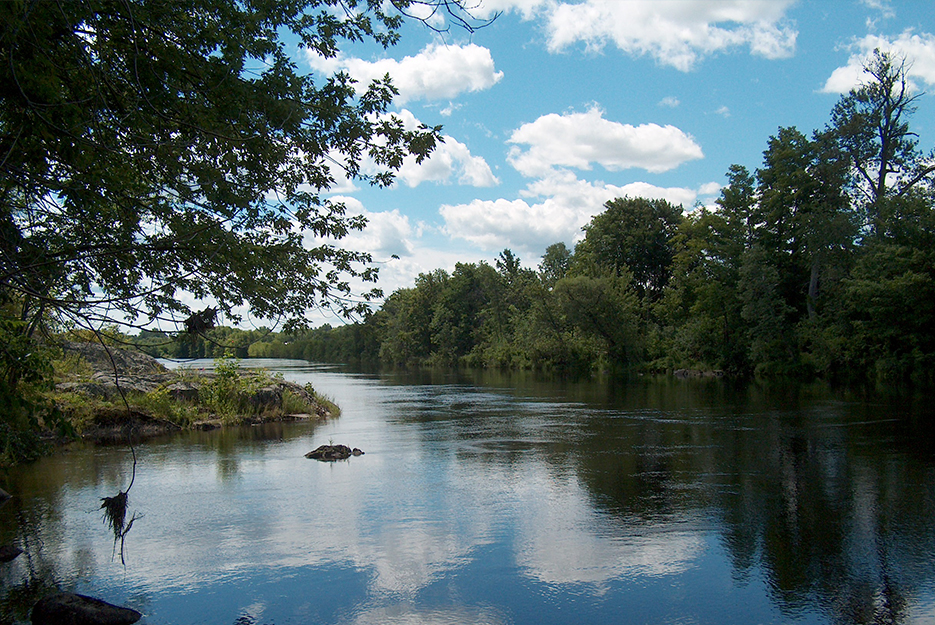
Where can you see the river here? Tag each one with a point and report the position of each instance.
(503, 499)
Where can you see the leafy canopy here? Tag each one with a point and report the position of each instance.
(154, 148)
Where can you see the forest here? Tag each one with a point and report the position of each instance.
(820, 263)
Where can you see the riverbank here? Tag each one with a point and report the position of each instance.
(106, 395)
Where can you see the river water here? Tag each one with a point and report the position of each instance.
(491, 498)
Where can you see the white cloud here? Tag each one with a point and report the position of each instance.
(674, 32)
(580, 139)
(917, 49)
(449, 160)
(710, 188)
(438, 72)
(565, 204)
(883, 6)
(448, 110)
(723, 112)
(387, 233)
(669, 101)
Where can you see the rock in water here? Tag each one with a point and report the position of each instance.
(70, 609)
(333, 452)
(9, 553)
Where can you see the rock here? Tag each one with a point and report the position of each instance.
(103, 386)
(4, 496)
(333, 452)
(70, 609)
(267, 396)
(89, 389)
(128, 362)
(183, 391)
(9, 553)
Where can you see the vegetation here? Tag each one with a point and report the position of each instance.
(819, 263)
(150, 149)
(229, 394)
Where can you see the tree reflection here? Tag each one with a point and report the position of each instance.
(823, 498)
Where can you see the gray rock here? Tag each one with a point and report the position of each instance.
(267, 396)
(128, 362)
(70, 609)
(183, 391)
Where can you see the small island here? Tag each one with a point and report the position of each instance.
(102, 393)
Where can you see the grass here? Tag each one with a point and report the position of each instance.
(229, 395)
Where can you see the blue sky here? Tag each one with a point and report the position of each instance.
(557, 107)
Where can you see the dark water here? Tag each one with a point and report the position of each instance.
(492, 499)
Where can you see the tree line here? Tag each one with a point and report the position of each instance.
(819, 263)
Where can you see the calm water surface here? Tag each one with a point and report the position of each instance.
(503, 499)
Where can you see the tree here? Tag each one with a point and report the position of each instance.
(631, 235)
(457, 320)
(871, 125)
(153, 148)
(803, 216)
(555, 263)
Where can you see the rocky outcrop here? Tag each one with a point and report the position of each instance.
(330, 453)
(71, 609)
(128, 362)
(135, 371)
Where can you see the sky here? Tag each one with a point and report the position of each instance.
(557, 107)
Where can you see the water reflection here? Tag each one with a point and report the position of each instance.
(486, 499)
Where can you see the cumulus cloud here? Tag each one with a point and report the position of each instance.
(710, 188)
(917, 49)
(552, 209)
(580, 139)
(674, 32)
(438, 72)
(451, 159)
(670, 102)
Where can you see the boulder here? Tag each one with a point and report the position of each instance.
(9, 553)
(70, 609)
(331, 453)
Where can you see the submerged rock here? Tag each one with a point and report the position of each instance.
(71, 609)
(333, 452)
